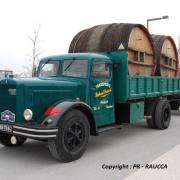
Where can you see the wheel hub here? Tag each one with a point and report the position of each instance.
(166, 115)
(74, 136)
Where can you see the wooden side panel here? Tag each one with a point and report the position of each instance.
(140, 53)
(138, 40)
(168, 49)
(168, 61)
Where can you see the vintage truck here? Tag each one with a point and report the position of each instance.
(81, 94)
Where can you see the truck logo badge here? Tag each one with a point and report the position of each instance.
(7, 116)
(104, 93)
(103, 84)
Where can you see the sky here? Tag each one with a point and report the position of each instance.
(60, 20)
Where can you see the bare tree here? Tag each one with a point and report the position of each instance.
(30, 69)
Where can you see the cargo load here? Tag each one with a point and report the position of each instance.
(134, 38)
(166, 56)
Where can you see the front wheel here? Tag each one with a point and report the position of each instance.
(6, 140)
(162, 114)
(72, 138)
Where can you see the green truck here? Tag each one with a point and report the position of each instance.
(81, 94)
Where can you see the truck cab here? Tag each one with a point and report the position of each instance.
(93, 81)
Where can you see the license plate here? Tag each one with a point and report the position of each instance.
(5, 128)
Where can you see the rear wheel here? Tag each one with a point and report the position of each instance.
(72, 138)
(151, 114)
(175, 105)
(162, 114)
(6, 140)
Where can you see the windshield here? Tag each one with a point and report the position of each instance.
(49, 69)
(75, 68)
(70, 68)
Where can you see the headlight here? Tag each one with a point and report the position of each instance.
(28, 114)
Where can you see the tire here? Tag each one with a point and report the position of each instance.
(72, 138)
(5, 140)
(162, 114)
(151, 112)
(174, 105)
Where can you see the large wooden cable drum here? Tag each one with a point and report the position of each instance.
(166, 56)
(134, 38)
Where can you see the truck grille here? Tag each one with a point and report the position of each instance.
(7, 103)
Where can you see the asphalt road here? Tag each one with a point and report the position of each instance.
(131, 145)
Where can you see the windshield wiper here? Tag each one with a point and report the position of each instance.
(72, 61)
(44, 65)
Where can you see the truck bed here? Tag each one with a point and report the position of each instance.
(152, 86)
(132, 87)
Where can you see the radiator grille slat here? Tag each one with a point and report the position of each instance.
(7, 101)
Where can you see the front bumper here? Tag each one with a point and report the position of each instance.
(29, 131)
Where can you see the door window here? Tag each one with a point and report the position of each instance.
(101, 70)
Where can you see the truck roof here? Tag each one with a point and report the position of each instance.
(77, 55)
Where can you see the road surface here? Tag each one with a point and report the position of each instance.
(115, 149)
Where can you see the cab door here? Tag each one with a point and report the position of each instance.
(102, 99)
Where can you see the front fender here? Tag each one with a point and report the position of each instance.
(64, 107)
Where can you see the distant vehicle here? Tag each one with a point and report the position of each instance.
(4, 73)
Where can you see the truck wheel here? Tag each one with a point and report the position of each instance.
(5, 140)
(72, 138)
(151, 112)
(163, 114)
(174, 105)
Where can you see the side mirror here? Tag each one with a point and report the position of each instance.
(116, 65)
